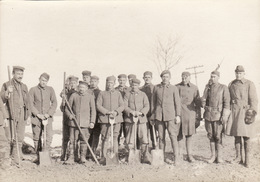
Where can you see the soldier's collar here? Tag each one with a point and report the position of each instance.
(138, 91)
(243, 80)
(166, 85)
(43, 88)
(188, 84)
(113, 89)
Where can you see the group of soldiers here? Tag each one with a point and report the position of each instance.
(176, 108)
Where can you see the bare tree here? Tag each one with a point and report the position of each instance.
(167, 54)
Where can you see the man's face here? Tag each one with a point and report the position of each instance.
(185, 79)
(166, 78)
(110, 85)
(18, 75)
(240, 75)
(122, 81)
(135, 87)
(43, 82)
(86, 78)
(214, 78)
(94, 83)
(130, 81)
(73, 85)
(82, 88)
(147, 79)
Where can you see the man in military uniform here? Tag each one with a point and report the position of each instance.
(130, 77)
(109, 103)
(95, 132)
(216, 102)
(43, 106)
(136, 105)
(148, 88)
(15, 92)
(190, 112)
(4, 149)
(166, 112)
(83, 106)
(86, 76)
(122, 88)
(72, 88)
(243, 100)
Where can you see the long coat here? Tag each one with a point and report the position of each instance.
(83, 106)
(110, 101)
(166, 103)
(136, 101)
(243, 97)
(190, 104)
(16, 98)
(43, 101)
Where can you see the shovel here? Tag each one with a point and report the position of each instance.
(157, 154)
(112, 158)
(44, 154)
(134, 154)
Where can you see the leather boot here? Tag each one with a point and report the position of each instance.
(175, 148)
(64, 151)
(104, 152)
(238, 148)
(189, 149)
(146, 156)
(213, 153)
(70, 159)
(219, 153)
(247, 151)
(83, 153)
(76, 152)
(36, 152)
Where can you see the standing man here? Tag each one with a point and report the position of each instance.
(43, 105)
(122, 88)
(166, 112)
(72, 88)
(216, 102)
(130, 77)
(243, 110)
(83, 106)
(148, 90)
(136, 105)
(190, 112)
(109, 103)
(4, 149)
(16, 92)
(86, 76)
(95, 132)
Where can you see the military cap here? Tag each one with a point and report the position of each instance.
(18, 68)
(215, 72)
(122, 76)
(45, 75)
(148, 73)
(131, 76)
(240, 68)
(94, 77)
(83, 83)
(73, 78)
(165, 72)
(185, 73)
(135, 80)
(111, 78)
(86, 72)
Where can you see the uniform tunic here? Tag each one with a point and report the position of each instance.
(166, 103)
(190, 104)
(243, 97)
(148, 90)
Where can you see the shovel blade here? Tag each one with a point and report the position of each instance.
(45, 158)
(157, 158)
(112, 159)
(134, 157)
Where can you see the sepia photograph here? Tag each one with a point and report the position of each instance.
(134, 91)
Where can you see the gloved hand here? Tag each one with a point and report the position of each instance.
(91, 125)
(152, 122)
(40, 116)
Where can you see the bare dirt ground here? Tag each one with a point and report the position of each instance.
(200, 170)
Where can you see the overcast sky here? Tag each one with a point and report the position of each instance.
(110, 38)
